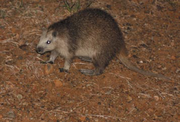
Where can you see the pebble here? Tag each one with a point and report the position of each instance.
(156, 98)
(58, 83)
(48, 69)
(1, 116)
(19, 96)
(129, 98)
(11, 114)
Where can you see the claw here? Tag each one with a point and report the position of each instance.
(62, 70)
(51, 62)
(45, 62)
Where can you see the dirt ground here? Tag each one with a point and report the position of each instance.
(34, 92)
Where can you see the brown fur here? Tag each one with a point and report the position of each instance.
(91, 33)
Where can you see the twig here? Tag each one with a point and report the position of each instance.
(127, 78)
(103, 116)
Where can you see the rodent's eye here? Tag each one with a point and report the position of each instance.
(48, 42)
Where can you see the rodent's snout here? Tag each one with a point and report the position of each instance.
(39, 50)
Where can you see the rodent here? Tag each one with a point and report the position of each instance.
(91, 34)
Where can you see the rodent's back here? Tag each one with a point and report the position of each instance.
(96, 29)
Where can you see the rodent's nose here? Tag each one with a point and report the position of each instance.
(39, 49)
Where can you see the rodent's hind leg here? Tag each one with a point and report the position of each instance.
(87, 59)
(91, 72)
(87, 71)
(99, 65)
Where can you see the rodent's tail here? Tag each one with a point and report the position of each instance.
(130, 66)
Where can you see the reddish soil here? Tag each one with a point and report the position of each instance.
(34, 92)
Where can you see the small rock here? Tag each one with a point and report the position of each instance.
(25, 104)
(156, 98)
(20, 57)
(179, 116)
(48, 69)
(172, 43)
(108, 6)
(173, 57)
(82, 119)
(159, 66)
(11, 114)
(58, 83)
(21, 42)
(23, 47)
(150, 110)
(13, 30)
(178, 70)
(1, 116)
(141, 62)
(129, 98)
(19, 96)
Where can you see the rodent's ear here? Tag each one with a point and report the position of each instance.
(54, 33)
(44, 28)
(44, 31)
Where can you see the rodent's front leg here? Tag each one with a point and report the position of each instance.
(53, 56)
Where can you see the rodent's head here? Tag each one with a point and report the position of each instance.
(47, 41)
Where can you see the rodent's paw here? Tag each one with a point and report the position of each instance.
(63, 70)
(51, 62)
(43, 62)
